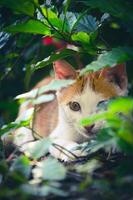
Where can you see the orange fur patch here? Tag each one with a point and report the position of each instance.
(97, 82)
(101, 85)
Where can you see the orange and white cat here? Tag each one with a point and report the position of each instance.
(60, 118)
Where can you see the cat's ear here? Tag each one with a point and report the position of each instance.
(63, 70)
(117, 75)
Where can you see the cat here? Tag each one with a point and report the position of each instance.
(60, 118)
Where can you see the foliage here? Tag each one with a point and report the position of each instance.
(102, 33)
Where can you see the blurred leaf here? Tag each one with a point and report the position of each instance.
(28, 95)
(21, 164)
(9, 128)
(122, 9)
(59, 55)
(20, 6)
(52, 86)
(93, 118)
(44, 98)
(31, 26)
(22, 121)
(55, 85)
(120, 105)
(110, 59)
(124, 105)
(88, 167)
(50, 169)
(38, 148)
(12, 55)
(43, 190)
(25, 116)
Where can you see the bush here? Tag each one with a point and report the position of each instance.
(32, 30)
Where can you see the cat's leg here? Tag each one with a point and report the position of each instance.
(65, 150)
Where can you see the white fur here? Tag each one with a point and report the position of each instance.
(68, 132)
(68, 127)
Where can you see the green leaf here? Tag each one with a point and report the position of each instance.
(60, 55)
(93, 118)
(121, 9)
(81, 37)
(71, 19)
(43, 99)
(21, 164)
(80, 22)
(52, 18)
(31, 26)
(88, 167)
(66, 6)
(9, 128)
(22, 121)
(111, 58)
(20, 6)
(38, 148)
(55, 85)
(52, 86)
(124, 105)
(42, 190)
(50, 169)
(87, 23)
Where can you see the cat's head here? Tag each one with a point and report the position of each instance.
(80, 99)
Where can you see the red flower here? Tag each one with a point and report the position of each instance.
(47, 40)
(59, 44)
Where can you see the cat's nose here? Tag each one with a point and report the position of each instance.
(89, 128)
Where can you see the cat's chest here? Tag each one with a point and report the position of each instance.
(65, 132)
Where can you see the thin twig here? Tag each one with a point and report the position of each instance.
(61, 148)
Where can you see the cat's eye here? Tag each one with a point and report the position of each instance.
(75, 106)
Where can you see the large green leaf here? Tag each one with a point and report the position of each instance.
(52, 18)
(63, 54)
(81, 22)
(123, 105)
(20, 6)
(31, 26)
(87, 23)
(111, 58)
(81, 37)
(122, 9)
